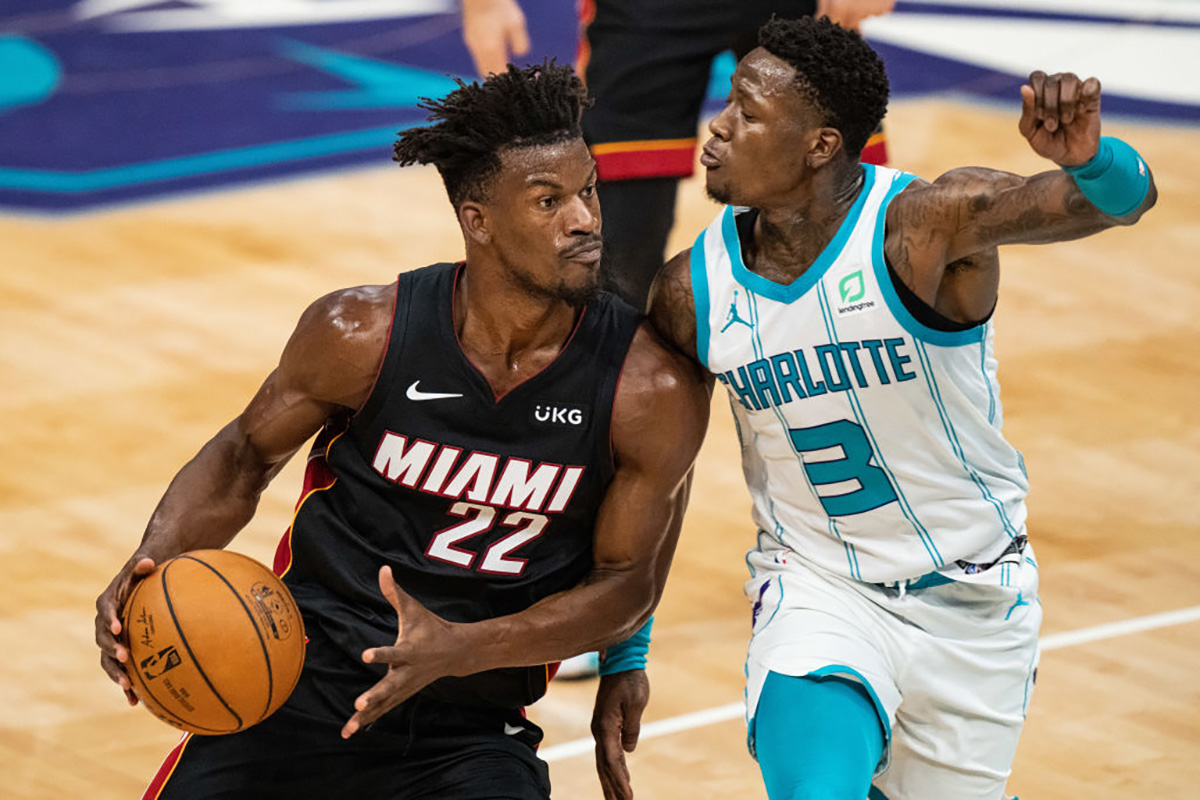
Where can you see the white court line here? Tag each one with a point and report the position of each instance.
(1055, 641)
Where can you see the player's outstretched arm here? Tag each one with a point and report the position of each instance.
(1101, 182)
(329, 363)
(961, 218)
(659, 419)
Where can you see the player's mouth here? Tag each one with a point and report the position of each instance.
(587, 253)
(709, 159)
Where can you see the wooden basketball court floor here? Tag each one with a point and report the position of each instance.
(128, 337)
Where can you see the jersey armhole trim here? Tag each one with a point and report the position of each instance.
(973, 335)
(371, 403)
(700, 299)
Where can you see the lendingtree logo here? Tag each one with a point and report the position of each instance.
(851, 287)
(853, 291)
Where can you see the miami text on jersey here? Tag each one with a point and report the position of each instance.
(505, 482)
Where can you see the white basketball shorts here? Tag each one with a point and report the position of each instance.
(950, 667)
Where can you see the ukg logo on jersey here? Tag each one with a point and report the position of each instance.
(852, 293)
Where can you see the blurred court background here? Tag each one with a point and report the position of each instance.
(178, 180)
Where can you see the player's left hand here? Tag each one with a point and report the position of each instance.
(616, 725)
(1060, 116)
(424, 651)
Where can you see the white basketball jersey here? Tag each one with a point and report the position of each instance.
(871, 443)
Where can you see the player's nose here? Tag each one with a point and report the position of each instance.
(582, 217)
(719, 125)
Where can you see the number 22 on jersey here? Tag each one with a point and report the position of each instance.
(479, 519)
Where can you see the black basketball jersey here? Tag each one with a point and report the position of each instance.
(481, 505)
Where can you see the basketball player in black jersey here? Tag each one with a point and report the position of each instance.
(500, 464)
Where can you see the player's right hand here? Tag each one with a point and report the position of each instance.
(494, 31)
(114, 651)
(616, 725)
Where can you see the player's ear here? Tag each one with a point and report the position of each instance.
(825, 146)
(474, 220)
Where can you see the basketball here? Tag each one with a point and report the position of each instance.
(216, 642)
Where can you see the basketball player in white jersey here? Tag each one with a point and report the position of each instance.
(847, 310)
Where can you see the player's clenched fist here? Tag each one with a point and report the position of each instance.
(1060, 116)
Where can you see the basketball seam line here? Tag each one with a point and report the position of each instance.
(146, 685)
(188, 647)
(261, 642)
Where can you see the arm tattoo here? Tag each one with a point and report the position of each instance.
(672, 310)
(1045, 208)
(972, 209)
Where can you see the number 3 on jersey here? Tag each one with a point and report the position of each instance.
(838, 474)
(479, 519)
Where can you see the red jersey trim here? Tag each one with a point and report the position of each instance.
(497, 397)
(387, 345)
(318, 477)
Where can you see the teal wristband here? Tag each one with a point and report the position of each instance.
(629, 654)
(1116, 180)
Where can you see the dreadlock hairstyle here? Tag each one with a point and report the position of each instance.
(836, 70)
(472, 125)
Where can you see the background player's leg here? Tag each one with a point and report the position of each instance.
(648, 75)
(638, 216)
(816, 738)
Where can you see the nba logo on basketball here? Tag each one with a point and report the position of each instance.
(272, 610)
(155, 665)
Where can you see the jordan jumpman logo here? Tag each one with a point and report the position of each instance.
(733, 315)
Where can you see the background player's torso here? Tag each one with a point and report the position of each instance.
(871, 443)
(481, 505)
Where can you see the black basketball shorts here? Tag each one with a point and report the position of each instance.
(425, 748)
(647, 63)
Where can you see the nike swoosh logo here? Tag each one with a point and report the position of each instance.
(414, 393)
(512, 730)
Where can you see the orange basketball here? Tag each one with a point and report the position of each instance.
(216, 642)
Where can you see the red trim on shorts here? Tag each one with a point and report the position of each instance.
(657, 162)
(586, 11)
(164, 772)
(876, 151)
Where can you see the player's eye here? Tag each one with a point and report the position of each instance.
(547, 203)
(588, 192)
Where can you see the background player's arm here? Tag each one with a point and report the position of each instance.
(494, 31)
(958, 220)
(329, 363)
(659, 418)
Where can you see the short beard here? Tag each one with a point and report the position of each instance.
(574, 296)
(720, 194)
